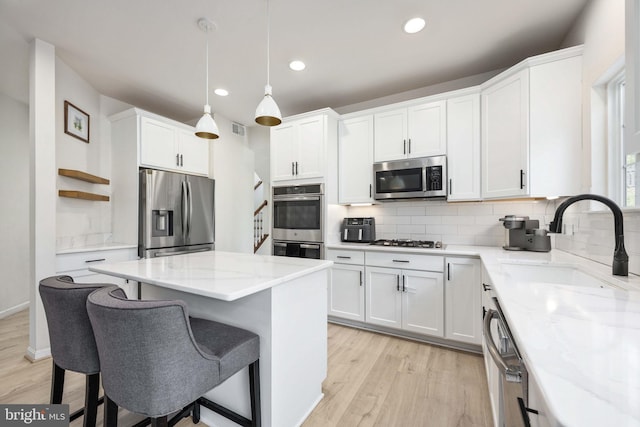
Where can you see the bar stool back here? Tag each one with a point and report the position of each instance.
(73, 346)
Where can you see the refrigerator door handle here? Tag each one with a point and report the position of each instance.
(184, 208)
(190, 194)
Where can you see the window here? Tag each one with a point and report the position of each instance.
(623, 156)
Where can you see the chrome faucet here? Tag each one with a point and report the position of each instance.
(620, 264)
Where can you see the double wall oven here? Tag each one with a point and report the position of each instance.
(297, 221)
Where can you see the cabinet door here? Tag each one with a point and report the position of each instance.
(310, 148)
(427, 129)
(390, 135)
(355, 160)
(505, 118)
(194, 153)
(346, 292)
(158, 144)
(282, 152)
(463, 303)
(422, 302)
(383, 297)
(463, 147)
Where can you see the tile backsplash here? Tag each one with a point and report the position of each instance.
(589, 233)
(472, 223)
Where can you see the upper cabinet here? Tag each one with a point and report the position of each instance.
(416, 131)
(162, 143)
(355, 159)
(532, 128)
(299, 146)
(463, 147)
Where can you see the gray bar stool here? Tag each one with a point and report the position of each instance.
(157, 361)
(73, 347)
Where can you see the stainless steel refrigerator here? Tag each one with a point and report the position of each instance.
(176, 214)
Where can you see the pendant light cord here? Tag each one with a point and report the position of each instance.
(207, 68)
(268, 41)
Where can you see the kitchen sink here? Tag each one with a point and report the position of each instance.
(555, 274)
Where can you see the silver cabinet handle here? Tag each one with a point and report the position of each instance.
(292, 169)
(361, 278)
(177, 159)
(296, 168)
(343, 257)
(95, 260)
(401, 260)
(409, 145)
(398, 283)
(448, 272)
(404, 150)
(181, 162)
(404, 288)
(450, 186)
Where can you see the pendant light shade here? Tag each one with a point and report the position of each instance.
(268, 113)
(207, 127)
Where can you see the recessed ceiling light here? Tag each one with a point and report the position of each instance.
(297, 65)
(221, 92)
(414, 25)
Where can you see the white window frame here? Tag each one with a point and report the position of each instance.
(615, 135)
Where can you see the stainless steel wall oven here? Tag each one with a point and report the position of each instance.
(298, 220)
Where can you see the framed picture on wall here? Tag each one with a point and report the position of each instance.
(76, 122)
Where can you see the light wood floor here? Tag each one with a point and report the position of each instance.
(373, 380)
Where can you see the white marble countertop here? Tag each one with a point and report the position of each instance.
(580, 344)
(222, 275)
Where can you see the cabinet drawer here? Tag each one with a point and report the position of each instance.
(405, 261)
(342, 256)
(84, 260)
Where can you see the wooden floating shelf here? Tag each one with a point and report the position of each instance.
(83, 176)
(83, 195)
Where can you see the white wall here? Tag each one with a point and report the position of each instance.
(232, 168)
(14, 217)
(79, 222)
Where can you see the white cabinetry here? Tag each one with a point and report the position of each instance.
(402, 297)
(355, 160)
(299, 146)
(162, 143)
(77, 264)
(463, 318)
(463, 147)
(543, 417)
(346, 285)
(532, 128)
(416, 131)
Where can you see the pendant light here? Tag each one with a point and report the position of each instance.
(268, 113)
(207, 127)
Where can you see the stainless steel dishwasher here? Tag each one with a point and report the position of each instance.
(513, 394)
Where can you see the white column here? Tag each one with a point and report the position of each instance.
(42, 194)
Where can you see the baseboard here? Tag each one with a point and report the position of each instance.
(35, 355)
(13, 310)
(313, 406)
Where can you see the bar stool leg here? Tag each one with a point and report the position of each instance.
(159, 422)
(110, 413)
(92, 388)
(57, 384)
(254, 391)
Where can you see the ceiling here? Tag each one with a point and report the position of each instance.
(151, 53)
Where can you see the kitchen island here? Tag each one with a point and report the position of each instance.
(283, 300)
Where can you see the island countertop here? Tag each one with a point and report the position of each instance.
(226, 276)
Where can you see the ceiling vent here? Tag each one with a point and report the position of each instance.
(238, 129)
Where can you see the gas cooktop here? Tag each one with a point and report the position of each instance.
(408, 243)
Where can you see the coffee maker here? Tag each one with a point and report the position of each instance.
(524, 234)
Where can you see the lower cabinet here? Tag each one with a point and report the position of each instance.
(462, 300)
(346, 292)
(406, 299)
(408, 291)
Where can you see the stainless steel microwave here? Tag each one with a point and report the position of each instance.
(420, 178)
